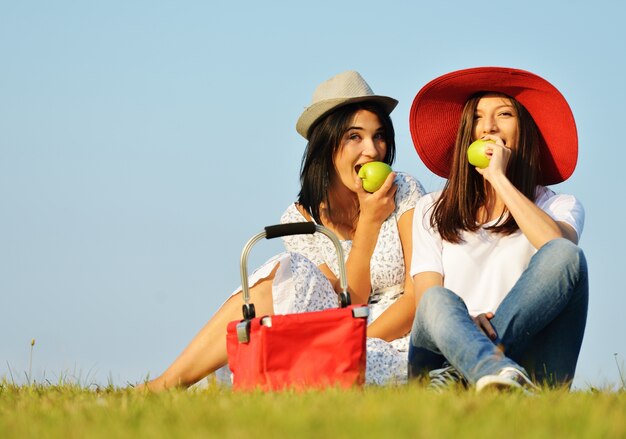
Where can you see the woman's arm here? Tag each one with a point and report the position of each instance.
(396, 321)
(358, 261)
(536, 224)
(375, 208)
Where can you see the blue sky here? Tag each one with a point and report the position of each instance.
(143, 142)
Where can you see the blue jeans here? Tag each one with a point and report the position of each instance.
(540, 323)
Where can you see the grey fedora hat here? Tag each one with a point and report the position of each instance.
(343, 89)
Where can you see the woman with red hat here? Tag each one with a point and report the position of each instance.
(500, 282)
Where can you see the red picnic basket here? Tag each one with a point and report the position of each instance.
(297, 351)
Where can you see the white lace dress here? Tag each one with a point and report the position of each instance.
(300, 286)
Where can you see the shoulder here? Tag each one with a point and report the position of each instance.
(409, 191)
(546, 197)
(408, 184)
(424, 209)
(292, 215)
(562, 207)
(307, 245)
(428, 200)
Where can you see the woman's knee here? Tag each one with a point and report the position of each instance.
(567, 255)
(563, 263)
(563, 249)
(436, 300)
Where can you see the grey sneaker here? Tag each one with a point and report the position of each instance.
(508, 378)
(445, 378)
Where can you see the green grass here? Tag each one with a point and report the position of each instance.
(71, 411)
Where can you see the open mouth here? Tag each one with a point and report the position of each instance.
(357, 168)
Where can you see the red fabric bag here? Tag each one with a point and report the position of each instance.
(297, 351)
(306, 350)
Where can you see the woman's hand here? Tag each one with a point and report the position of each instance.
(499, 156)
(483, 323)
(376, 207)
(397, 319)
(536, 224)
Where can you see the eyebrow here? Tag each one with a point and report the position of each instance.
(499, 107)
(381, 128)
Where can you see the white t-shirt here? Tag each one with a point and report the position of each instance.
(484, 267)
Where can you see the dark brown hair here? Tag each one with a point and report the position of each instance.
(464, 192)
(325, 136)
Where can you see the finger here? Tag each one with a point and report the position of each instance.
(389, 182)
(487, 328)
(491, 333)
(482, 321)
(496, 139)
(358, 185)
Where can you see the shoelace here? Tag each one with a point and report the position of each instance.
(444, 378)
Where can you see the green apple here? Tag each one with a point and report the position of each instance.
(373, 175)
(476, 153)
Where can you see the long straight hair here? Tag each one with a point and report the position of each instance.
(464, 192)
(325, 138)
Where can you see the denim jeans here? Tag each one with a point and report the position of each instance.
(540, 323)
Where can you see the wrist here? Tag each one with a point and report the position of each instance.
(367, 230)
(499, 182)
(370, 221)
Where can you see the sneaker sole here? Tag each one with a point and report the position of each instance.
(496, 383)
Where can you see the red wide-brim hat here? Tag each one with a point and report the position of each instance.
(436, 115)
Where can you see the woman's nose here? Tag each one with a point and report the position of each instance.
(369, 148)
(489, 125)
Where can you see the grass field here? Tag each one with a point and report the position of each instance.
(71, 411)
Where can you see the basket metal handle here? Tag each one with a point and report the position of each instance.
(277, 231)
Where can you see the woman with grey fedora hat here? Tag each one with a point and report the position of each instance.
(346, 126)
(501, 283)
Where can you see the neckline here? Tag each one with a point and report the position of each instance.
(294, 205)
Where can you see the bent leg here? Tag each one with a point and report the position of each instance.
(422, 361)
(443, 326)
(293, 284)
(207, 350)
(541, 322)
